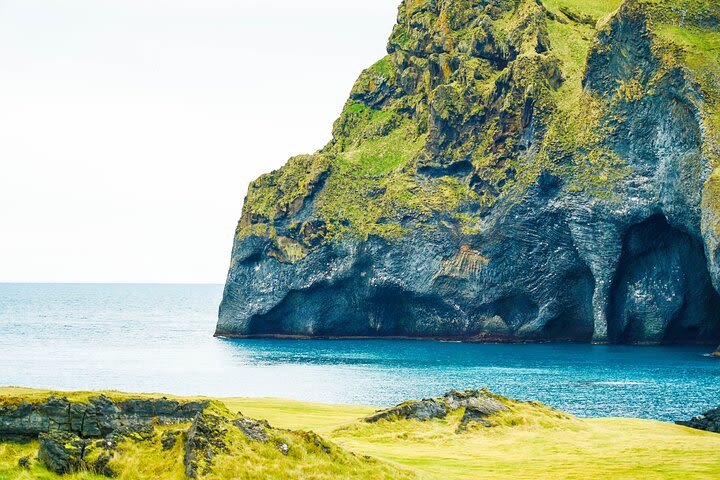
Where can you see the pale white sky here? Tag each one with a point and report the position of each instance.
(130, 129)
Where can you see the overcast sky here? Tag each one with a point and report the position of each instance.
(130, 129)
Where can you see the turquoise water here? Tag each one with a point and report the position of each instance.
(159, 338)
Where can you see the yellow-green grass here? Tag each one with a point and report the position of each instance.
(550, 449)
(243, 460)
(594, 8)
(298, 415)
(148, 460)
(530, 441)
(282, 413)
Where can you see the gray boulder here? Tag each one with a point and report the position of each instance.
(709, 421)
(255, 430)
(413, 410)
(62, 452)
(205, 439)
(479, 406)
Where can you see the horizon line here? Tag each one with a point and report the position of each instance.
(2, 282)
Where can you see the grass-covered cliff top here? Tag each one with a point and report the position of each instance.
(527, 441)
(473, 101)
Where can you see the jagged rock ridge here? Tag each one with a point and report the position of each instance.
(102, 436)
(82, 436)
(509, 172)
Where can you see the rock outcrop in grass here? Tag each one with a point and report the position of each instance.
(477, 406)
(98, 417)
(512, 440)
(468, 407)
(161, 438)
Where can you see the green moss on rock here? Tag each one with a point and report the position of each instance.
(474, 102)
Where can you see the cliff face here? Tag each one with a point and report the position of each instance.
(512, 170)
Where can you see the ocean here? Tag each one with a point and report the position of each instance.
(158, 338)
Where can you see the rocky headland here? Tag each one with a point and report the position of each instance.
(512, 170)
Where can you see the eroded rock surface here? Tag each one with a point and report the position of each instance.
(78, 436)
(413, 410)
(99, 417)
(478, 406)
(205, 440)
(62, 452)
(253, 429)
(484, 184)
(65, 452)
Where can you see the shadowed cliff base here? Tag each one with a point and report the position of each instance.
(662, 291)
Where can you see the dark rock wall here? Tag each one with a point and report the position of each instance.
(97, 418)
(662, 291)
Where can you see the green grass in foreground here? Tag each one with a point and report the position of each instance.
(530, 441)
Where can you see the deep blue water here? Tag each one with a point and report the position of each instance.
(159, 338)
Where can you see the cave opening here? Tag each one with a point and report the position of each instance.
(662, 291)
(575, 322)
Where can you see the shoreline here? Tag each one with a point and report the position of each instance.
(10, 393)
(449, 339)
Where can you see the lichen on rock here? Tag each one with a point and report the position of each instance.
(477, 407)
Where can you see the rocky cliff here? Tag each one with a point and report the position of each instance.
(512, 170)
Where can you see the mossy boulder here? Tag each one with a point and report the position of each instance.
(473, 407)
(62, 452)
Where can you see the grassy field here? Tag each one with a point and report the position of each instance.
(533, 444)
(587, 449)
(530, 441)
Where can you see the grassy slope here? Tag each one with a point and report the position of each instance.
(297, 415)
(244, 460)
(530, 442)
(280, 412)
(585, 448)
